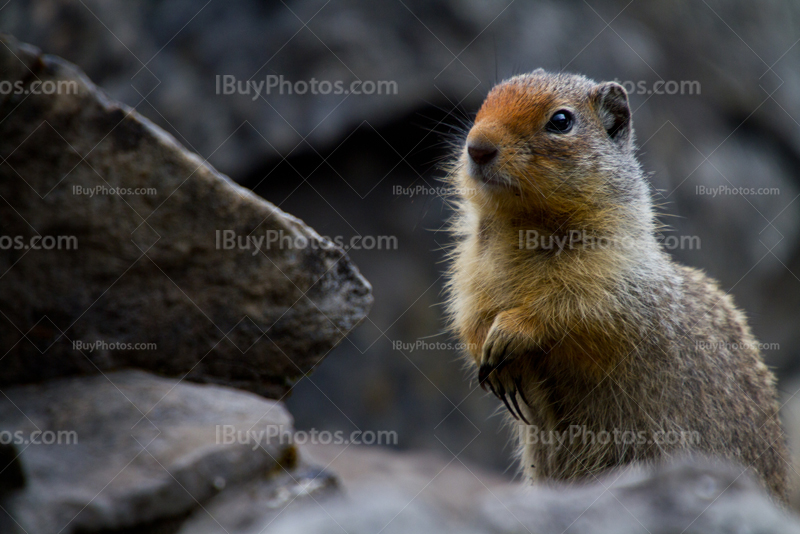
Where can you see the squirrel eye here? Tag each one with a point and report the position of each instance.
(560, 122)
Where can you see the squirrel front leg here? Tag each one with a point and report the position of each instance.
(513, 335)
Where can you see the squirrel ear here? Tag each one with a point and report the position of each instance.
(611, 100)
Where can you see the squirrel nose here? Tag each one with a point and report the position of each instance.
(481, 154)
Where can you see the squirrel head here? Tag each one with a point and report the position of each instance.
(556, 149)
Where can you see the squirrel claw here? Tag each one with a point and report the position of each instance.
(508, 406)
(483, 374)
(519, 411)
(502, 396)
(484, 371)
(499, 391)
(521, 392)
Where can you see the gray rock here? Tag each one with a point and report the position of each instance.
(686, 497)
(132, 452)
(400, 493)
(145, 280)
(128, 448)
(404, 492)
(252, 505)
(116, 40)
(790, 414)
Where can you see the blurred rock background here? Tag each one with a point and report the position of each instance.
(347, 163)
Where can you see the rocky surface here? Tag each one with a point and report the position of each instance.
(157, 261)
(110, 452)
(423, 493)
(135, 453)
(790, 414)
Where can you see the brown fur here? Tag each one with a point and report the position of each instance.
(598, 338)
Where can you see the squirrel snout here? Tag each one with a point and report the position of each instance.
(481, 154)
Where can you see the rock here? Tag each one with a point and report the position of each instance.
(398, 493)
(262, 501)
(139, 273)
(790, 414)
(128, 448)
(115, 41)
(381, 477)
(132, 452)
(686, 497)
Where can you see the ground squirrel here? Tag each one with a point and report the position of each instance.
(602, 347)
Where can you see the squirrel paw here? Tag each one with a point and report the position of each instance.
(494, 375)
